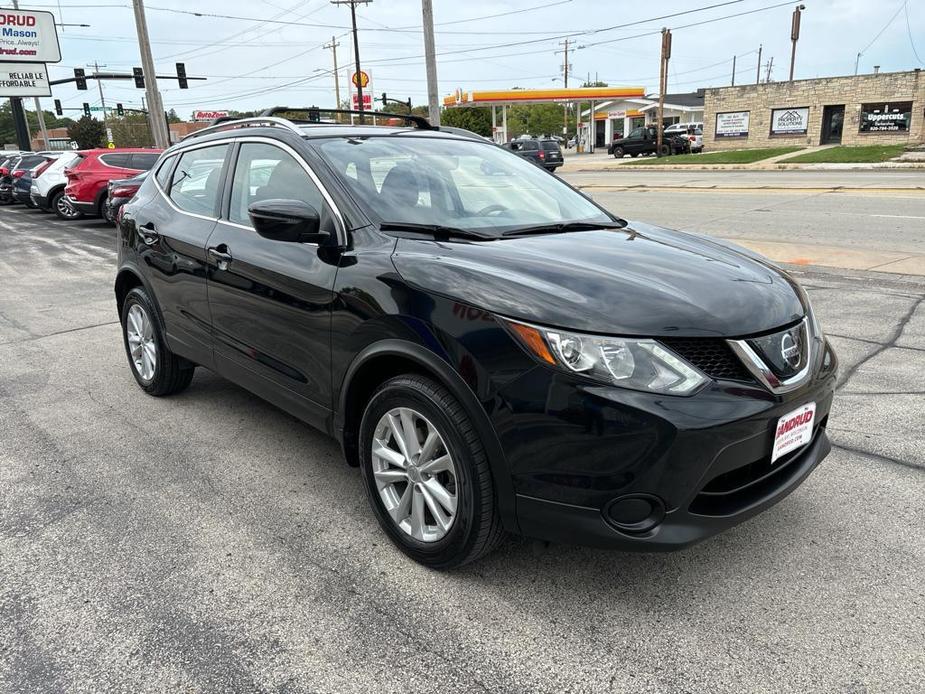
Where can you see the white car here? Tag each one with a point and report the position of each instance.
(692, 131)
(47, 190)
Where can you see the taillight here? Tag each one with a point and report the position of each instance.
(4, 171)
(542, 154)
(18, 173)
(38, 170)
(123, 191)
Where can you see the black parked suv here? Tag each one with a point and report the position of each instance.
(644, 140)
(543, 152)
(495, 351)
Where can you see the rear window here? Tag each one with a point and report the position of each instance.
(29, 162)
(551, 145)
(144, 161)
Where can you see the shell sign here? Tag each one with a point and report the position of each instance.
(360, 79)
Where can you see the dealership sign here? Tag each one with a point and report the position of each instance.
(886, 117)
(207, 116)
(24, 79)
(732, 124)
(28, 36)
(789, 121)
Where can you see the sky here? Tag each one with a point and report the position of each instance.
(271, 53)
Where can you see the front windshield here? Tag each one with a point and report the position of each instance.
(454, 183)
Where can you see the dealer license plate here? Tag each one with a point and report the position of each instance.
(794, 429)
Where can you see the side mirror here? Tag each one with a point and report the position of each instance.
(294, 221)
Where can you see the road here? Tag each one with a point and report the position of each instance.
(211, 543)
(872, 225)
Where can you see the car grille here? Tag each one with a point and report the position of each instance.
(712, 356)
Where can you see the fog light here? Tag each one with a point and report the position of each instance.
(635, 513)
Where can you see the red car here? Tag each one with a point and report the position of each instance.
(88, 177)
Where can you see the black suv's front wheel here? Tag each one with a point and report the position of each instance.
(427, 475)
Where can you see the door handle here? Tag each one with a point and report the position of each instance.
(148, 233)
(221, 256)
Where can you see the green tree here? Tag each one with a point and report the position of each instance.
(535, 119)
(87, 133)
(478, 120)
(172, 116)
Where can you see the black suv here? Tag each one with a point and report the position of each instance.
(546, 153)
(495, 351)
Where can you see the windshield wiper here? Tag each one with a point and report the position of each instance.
(562, 227)
(438, 230)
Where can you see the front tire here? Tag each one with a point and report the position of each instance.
(618, 152)
(156, 369)
(427, 475)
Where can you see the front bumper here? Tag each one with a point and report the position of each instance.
(702, 464)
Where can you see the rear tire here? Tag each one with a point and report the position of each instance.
(461, 532)
(62, 208)
(156, 369)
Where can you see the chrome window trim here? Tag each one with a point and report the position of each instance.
(763, 373)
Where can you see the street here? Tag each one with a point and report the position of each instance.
(210, 542)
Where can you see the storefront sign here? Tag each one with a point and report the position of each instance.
(616, 114)
(886, 117)
(24, 79)
(789, 121)
(732, 124)
(28, 36)
(208, 116)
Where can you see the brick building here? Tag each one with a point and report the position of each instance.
(884, 108)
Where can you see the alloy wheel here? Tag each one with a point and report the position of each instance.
(415, 474)
(65, 208)
(142, 345)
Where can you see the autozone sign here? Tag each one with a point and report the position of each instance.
(201, 116)
(28, 36)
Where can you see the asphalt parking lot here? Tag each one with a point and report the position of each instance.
(209, 542)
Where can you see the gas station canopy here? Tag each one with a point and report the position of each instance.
(539, 96)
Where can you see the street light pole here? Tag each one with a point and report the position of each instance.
(156, 120)
(430, 57)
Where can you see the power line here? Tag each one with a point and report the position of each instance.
(885, 26)
(909, 30)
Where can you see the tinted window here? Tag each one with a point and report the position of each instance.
(163, 173)
(550, 145)
(116, 160)
(531, 145)
(637, 133)
(143, 161)
(29, 162)
(265, 172)
(196, 180)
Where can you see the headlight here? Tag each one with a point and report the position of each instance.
(629, 363)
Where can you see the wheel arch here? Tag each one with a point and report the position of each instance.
(127, 279)
(385, 359)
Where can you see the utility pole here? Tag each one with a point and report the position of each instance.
(565, 67)
(156, 120)
(758, 73)
(733, 71)
(795, 35)
(356, 46)
(333, 46)
(662, 87)
(430, 57)
(99, 83)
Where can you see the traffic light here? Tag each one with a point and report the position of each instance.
(80, 77)
(314, 115)
(119, 110)
(139, 76)
(58, 110)
(181, 76)
(86, 109)
(384, 99)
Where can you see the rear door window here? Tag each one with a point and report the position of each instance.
(196, 182)
(143, 161)
(163, 172)
(116, 160)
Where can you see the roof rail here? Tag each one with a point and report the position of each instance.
(226, 123)
(314, 115)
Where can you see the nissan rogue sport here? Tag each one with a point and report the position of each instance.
(495, 351)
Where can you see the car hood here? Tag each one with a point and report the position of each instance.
(641, 280)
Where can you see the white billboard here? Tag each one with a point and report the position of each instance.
(789, 121)
(28, 36)
(732, 124)
(24, 79)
